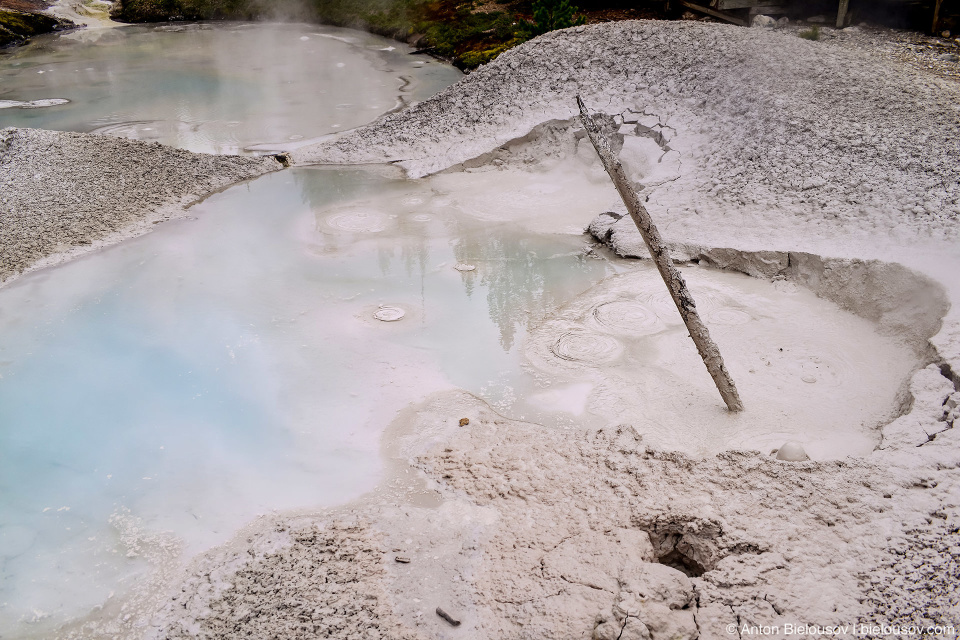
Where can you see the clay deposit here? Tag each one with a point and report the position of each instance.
(813, 164)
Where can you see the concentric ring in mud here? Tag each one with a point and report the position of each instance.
(707, 302)
(626, 317)
(422, 217)
(586, 347)
(357, 221)
(662, 304)
(388, 313)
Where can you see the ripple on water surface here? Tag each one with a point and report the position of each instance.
(357, 221)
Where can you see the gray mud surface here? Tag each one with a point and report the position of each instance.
(67, 192)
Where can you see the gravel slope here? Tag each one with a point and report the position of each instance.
(63, 193)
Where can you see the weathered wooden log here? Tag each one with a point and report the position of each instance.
(661, 257)
(842, 14)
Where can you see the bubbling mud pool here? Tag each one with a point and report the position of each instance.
(806, 370)
(157, 395)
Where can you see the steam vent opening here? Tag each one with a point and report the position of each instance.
(691, 546)
(683, 563)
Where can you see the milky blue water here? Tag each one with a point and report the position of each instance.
(231, 364)
(184, 383)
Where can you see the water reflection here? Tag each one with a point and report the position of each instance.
(523, 275)
(232, 364)
(413, 227)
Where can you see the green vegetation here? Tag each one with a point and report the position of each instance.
(470, 38)
(15, 27)
(813, 33)
(161, 10)
(461, 30)
(549, 15)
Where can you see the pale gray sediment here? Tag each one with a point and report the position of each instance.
(785, 149)
(546, 535)
(64, 193)
(775, 135)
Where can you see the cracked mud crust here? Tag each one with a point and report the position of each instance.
(64, 193)
(545, 534)
(778, 542)
(327, 582)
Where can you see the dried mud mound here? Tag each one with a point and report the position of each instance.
(583, 522)
(325, 583)
(765, 123)
(64, 191)
(544, 534)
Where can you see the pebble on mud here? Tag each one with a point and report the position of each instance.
(446, 616)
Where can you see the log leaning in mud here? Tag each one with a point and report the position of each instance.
(661, 257)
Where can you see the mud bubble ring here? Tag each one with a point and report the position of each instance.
(586, 348)
(357, 222)
(626, 317)
(814, 369)
(662, 303)
(389, 313)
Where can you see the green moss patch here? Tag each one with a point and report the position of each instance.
(16, 26)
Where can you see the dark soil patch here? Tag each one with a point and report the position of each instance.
(24, 5)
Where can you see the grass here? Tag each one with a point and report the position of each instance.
(813, 33)
(15, 27)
